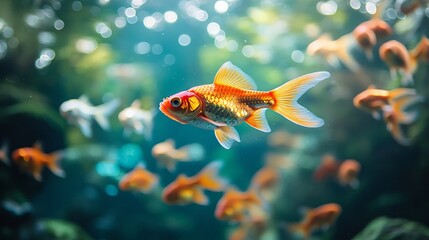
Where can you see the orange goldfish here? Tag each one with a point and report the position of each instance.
(139, 179)
(347, 173)
(265, 180)
(167, 155)
(368, 33)
(392, 104)
(324, 215)
(32, 160)
(373, 99)
(185, 190)
(328, 167)
(233, 99)
(238, 206)
(334, 51)
(399, 60)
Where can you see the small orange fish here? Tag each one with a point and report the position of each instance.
(328, 167)
(334, 51)
(347, 173)
(265, 180)
(167, 154)
(32, 160)
(186, 190)
(399, 60)
(316, 218)
(369, 32)
(139, 179)
(233, 99)
(235, 206)
(373, 99)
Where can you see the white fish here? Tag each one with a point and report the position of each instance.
(80, 112)
(134, 119)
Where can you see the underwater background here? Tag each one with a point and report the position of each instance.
(125, 51)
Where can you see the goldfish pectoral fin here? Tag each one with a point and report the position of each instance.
(230, 75)
(226, 136)
(209, 177)
(259, 121)
(286, 97)
(85, 127)
(375, 115)
(354, 184)
(194, 152)
(200, 198)
(37, 174)
(103, 111)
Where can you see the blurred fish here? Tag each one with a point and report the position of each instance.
(139, 179)
(323, 216)
(3, 153)
(408, 7)
(32, 160)
(278, 161)
(16, 208)
(80, 112)
(347, 173)
(265, 181)
(393, 105)
(252, 229)
(233, 99)
(373, 99)
(186, 190)
(368, 33)
(134, 119)
(334, 51)
(421, 51)
(284, 140)
(327, 168)
(167, 155)
(235, 206)
(399, 60)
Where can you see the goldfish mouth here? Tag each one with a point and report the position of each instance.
(167, 112)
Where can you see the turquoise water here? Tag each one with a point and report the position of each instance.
(115, 53)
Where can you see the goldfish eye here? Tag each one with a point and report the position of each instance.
(176, 102)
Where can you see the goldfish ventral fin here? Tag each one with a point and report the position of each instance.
(200, 197)
(286, 97)
(259, 121)
(231, 75)
(226, 136)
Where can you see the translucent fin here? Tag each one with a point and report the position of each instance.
(209, 177)
(399, 105)
(259, 121)
(3, 153)
(195, 151)
(344, 55)
(53, 164)
(103, 111)
(85, 127)
(226, 136)
(286, 97)
(200, 198)
(231, 75)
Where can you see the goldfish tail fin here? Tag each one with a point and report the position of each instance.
(105, 110)
(394, 127)
(343, 53)
(226, 136)
(53, 164)
(194, 152)
(399, 105)
(286, 97)
(209, 177)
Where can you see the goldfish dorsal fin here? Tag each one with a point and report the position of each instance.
(136, 103)
(230, 75)
(259, 121)
(226, 136)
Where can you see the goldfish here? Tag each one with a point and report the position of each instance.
(236, 206)
(265, 180)
(328, 167)
(252, 229)
(334, 51)
(347, 173)
(368, 33)
(316, 218)
(80, 112)
(139, 179)
(399, 60)
(186, 190)
(167, 155)
(33, 159)
(392, 104)
(134, 119)
(233, 99)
